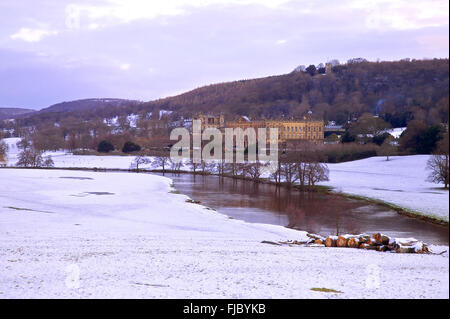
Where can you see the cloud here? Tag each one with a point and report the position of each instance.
(385, 15)
(125, 66)
(150, 49)
(32, 35)
(130, 10)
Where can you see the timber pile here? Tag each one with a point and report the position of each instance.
(378, 242)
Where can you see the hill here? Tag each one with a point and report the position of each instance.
(12, 112)
(86, 104)
(85, 109)
(398, 91)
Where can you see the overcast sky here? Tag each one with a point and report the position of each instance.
(61, 50)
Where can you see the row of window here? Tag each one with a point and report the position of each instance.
(299, 129)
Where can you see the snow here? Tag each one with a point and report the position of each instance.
(164, 113)
(61, 239)
(114, 121)
(13, 150)
(396, 132)
(400, 181)
(133, 119)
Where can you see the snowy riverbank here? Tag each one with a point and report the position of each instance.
(401, 181)
(127, 235)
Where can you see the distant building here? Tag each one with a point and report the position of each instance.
(211, 121)
(306, 129)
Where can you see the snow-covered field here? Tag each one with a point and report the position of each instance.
(400, 181)
(74, 234)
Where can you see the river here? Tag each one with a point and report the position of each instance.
(317, 213)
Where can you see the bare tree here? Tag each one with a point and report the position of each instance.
(194, 166)
(288, 171)
(161, 162)
(3, 148)
(24, 144)
(31, 157)
(139, 160)
(231, 168)
(276, 172)
(3, 151)
(254, 170)
(220, 166)
(387, 148)
(205, 167)
(48, 162)
(438, 164)
(317, 172)
(175, 165)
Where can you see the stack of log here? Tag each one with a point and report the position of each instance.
(378, 242)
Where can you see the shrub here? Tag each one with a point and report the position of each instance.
(130, 147)
(420, 138)
(349, 152)
(380, 138)
(30, 158)
(105, 147)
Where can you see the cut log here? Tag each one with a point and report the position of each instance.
(341, 242)
(382, 248)
(314, 236)
(367, 246)
(330, 242)
(393, 246)
(405, 250)
(364, 238)
(318, 242)
(381, 239)
(353, 242)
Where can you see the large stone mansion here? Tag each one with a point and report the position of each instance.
(288, 130)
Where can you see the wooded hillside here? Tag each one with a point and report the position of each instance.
(398, 91)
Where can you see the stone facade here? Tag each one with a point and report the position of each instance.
(307, 130)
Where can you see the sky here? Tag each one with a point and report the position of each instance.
(61, 50)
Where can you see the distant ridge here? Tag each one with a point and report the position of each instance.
(11, 112)
(87, 104)
(397, 91)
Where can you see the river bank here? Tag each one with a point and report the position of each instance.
(398, 184)
(318, 188)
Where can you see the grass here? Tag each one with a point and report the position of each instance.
(19, 208)
(327, 290)
(192, 201)
(323, 189)
(27, 209)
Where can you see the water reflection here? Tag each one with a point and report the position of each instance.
(313, 212)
